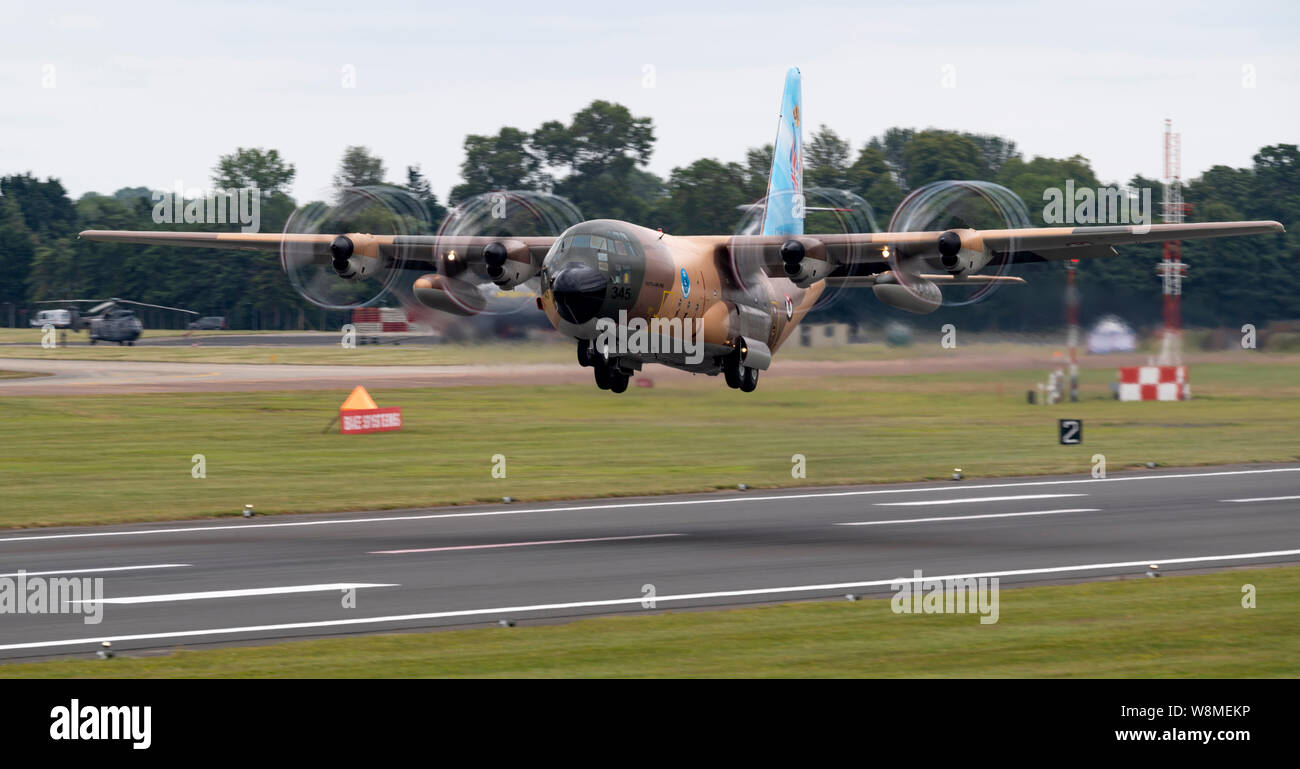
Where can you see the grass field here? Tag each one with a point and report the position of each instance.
(333, 355)
(33, 335)
(100, 459)
(1179, 626)
(557, 350)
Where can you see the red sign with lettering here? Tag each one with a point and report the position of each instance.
(370, 420)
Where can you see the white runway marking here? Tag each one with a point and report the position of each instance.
(97, 571)
(519, 544)
(738, 499)
(169, 597)
(971, 517)
(1260, 499)
(973, 499)
(627, 601)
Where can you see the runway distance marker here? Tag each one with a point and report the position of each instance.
(243, 593)
(519, 544)
(632, 505)
(971, 517)
(973, 499)
(628, 601)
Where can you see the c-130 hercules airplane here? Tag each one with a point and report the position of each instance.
(745, 293)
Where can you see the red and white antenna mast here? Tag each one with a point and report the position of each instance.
(1171, 268)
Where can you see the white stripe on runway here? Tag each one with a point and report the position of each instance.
(973, 499)
(737, 499)
(971, 517)
(169, 597)
(97, 571)
(519, 544)
(630, 601)
(1260, 499)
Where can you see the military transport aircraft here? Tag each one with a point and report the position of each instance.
(746, 293)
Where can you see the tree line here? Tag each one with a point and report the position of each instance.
(597, 160)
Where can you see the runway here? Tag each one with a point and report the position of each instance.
(237, 580)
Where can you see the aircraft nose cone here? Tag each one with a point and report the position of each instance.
(579, 290)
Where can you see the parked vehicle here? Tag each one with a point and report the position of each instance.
(209, 323)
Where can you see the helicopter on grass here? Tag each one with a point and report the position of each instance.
(109, 320)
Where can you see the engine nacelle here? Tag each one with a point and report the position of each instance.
(961, 252)
(448, 295)
(355, 257)
(917, 295)
(509, 263)
(804, 261)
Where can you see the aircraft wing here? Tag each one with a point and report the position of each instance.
(427, 253)
(864, 253)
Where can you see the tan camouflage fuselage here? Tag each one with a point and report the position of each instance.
(645, 272)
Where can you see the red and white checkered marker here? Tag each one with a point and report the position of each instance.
(1153, 383)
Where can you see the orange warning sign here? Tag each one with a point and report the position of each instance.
(359, 399)
(360, 414)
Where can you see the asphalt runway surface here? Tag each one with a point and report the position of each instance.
(225, 581)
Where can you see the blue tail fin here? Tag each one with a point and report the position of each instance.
(785, 203)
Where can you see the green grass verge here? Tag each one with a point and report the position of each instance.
(549, 350)
(1177, 626)
(409, 354)
(33, 335)
(102, 459)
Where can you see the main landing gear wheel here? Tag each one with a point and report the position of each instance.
(748, 379)
(603, 375)
(731, 370)
(618, 380)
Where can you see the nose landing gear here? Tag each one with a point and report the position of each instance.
(609, 375)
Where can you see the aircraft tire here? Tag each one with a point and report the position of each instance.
(748, 379)
(603, 374)
(731, 370)
(618, 381)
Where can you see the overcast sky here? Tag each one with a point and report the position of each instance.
(145, 94)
